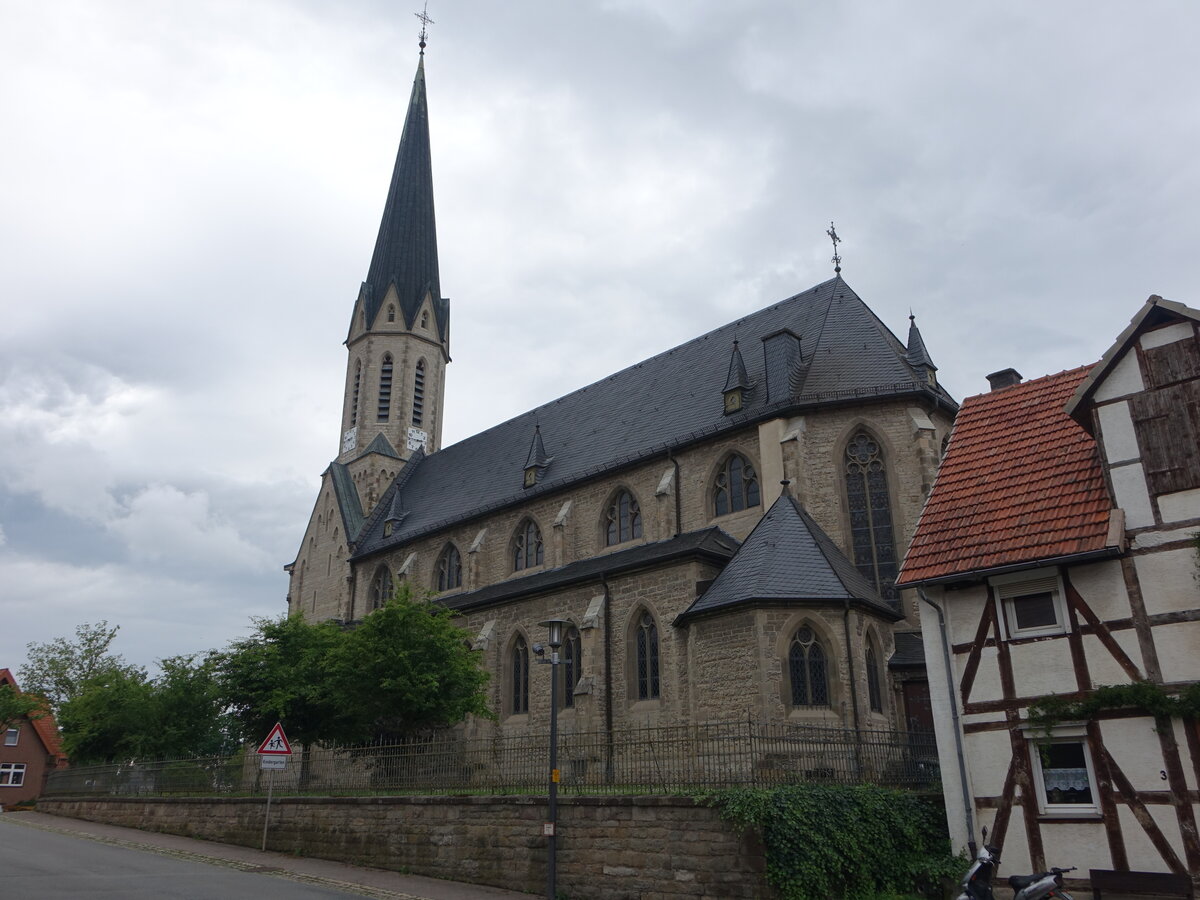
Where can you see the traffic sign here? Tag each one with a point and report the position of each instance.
(276, 743)
(276, 763)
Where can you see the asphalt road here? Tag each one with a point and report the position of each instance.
(36, 864)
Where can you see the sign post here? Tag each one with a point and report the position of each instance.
(273, 754)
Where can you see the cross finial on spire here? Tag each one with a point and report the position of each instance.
(836, 260)
(423, 15)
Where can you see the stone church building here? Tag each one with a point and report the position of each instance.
(721, 524)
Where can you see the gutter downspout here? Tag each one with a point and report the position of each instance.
(608, 681)
(958, 743)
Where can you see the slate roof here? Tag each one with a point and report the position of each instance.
(788, 558)
(1021, 484)
(347, 497)
(406, 247)
(910, 651)
(45, 727)
(844, 355)
(709, 543)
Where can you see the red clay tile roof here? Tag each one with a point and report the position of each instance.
(45, 727)
(1021, 482)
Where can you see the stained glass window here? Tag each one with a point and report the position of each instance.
(736, 486)
(647, 658)
(624, 520)
(449, 570)
(871, 514)
(520, 676)
(527, 547)
(808, 670)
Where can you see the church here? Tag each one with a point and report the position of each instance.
(720, 524)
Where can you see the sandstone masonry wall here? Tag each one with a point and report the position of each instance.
(609, 848)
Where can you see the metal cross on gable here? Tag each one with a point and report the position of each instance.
(836, 260)
(423, 15)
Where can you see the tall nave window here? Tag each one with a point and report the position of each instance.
(870, 513)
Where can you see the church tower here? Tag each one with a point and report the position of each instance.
(399, 337)
(398, 347)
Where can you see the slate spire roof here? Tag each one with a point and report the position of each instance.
(737, 371)
(406, 249)
(788, 558)
(537, 450)
(845, 355)
(917, 354)
(1021, 484)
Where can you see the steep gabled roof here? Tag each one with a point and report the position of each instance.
(45, 727)
(1021, 484)
(346, 495)
(787, 558)
(1155, 311)
(406, 248)
(846, 355)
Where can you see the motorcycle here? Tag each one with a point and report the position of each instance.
(977, 883)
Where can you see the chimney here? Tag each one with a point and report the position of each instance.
(1004, 378)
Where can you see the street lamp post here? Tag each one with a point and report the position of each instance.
(555, 627)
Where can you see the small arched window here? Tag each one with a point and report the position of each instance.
(357, 391)
(874, 695)
(527, 546)
(736, 486)
(519, 662)
(391, 313)
(381, 588)
(572, 655)
(808, 669)
(418, 406)
(385, 389)
(425, 318)
(646, 649)
(624, 520)
(449, 569)
(870, 508)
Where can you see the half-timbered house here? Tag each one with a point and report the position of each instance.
(1058, 554)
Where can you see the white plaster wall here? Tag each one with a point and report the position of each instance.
(1178, 648)
(1123, 378)
(1160, 337)
(1102, 589)
(1129, 485)
(1179, 506)
(1015, 855)
(987, 677)
(1168, 824)
(1170, 583)
(1080, 844)
(943, 723)
(1142, 855)
(1042, 667)
(1185, 756)
(1116, 427)
(1134, 747)
(988, 756)
(1103, 666)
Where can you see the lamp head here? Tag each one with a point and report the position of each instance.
(556, 628)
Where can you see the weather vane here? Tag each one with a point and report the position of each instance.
(836, 260)
(423, 15)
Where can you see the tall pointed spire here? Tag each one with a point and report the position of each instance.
(406, 248)
(917, 354)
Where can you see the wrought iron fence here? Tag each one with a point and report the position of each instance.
(662, 760)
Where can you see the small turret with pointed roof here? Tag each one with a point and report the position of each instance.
(737, 382)
(918, 356)
(537, 460)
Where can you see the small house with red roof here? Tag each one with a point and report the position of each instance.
(29, 751)
(1058, 553)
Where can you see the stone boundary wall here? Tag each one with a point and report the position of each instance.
(609, 848)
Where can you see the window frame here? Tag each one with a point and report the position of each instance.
(446, 578)
(623, 524)
(723, 484)
(571, 665)
(874, 681)
(1062, 734)
(12, 735)
(646, 640)
(1009, 588)
(521, 555)
(518, 680)
(12, 774)
(868, 557)
(375, 599)
(790, 672)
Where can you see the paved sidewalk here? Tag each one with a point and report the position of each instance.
(378, 883)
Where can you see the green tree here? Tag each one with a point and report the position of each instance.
(189, 709)
(16, 706)
(109, 718)
(59, 669)
(406, 668)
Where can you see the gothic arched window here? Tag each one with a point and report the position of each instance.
(385, 389)
(808, 670)
(418, 412)
(354, 396)
(874, 696)
(645, 639)
(519, 661)
(572, 656)
(449, 569)
(624, 520)
(391, 313)
(381, 588)
(735, 487)
(870, 513)
(527, 546)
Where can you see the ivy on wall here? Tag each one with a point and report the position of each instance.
(852, 841)
(1146, 696)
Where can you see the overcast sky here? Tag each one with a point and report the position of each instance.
(190, 194)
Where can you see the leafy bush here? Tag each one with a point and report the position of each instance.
(852, 841)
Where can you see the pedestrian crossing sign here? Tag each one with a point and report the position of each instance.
(276, 743)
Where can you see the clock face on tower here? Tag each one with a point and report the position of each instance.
(733, 401)
(350, 439)
(418, 439)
